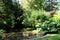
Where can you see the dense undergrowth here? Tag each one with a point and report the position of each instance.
(30, 15)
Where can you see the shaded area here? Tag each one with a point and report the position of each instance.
(13, 18)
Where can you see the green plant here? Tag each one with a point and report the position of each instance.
(2, 32)
(56, 18)
(10, 15)
(37, 4)
(51, 5)
(34, 18)
(51, 25)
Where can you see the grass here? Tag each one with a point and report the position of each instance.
(50, 37)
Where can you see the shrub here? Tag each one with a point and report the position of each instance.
(51, 25)
(6, 15)
(2, 32)
(35, 18)
(56, 19)
(10, 15)
(37, 4)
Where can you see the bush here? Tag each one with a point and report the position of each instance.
(37, 4)
(10, 15)
(35, 18)
(51, 25)
(40, 20)
(56, 19)
(2, 32)
(48, 26)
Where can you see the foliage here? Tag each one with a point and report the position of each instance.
(6, 15)
(51, 5)
(41, 21)
(2, 31)
(56, 18)
(35, 18)
(10, 15)
(52, 25)
(37, 4)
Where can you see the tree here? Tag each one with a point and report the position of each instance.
(50, 5)
(11, 15)
(37, 4)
